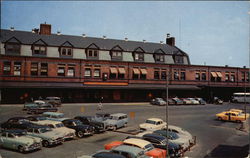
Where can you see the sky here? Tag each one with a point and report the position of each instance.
(211, 32)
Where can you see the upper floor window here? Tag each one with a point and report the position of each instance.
(159, 58)
(232, 77)
(139, 57)
(176, 75)
(183, 75)
(243, 76)
(157, 74)
(17, 68)
(39, 50)
(92, 53)
(34, 69)
(163, 74)
(116, 55)
(6, 68)
(203, 76)
(61, 69)
(13, 46)
(71, 71)
(227, 77)
(64, 51)
(44, 69)
(87, 72)
(179, 59)
(97, 73)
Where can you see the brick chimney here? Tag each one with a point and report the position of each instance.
(45, 29)
(170, 40)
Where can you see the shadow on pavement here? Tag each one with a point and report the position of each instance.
(229, 151)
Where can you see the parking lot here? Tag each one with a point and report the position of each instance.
(214, 138)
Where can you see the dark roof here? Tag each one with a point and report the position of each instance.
(29, 38)
(106, 154)
(14, 131)
(158, 137)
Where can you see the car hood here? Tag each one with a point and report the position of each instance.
(52, 134)
(64, 130)
(28, 139)
(147, 126)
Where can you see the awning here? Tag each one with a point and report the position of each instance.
(121, 70)
(113, 70)
(219, 74)
(144, 71)
(136, 71)
(213, 74)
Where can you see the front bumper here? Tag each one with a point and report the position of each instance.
(69, 136)
(32, 147)
(56, 141)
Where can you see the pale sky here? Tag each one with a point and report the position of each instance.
(211, 32)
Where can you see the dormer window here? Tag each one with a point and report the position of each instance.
(92, 53)
(179, 59)
(39, 48)
(139, 56)
(116, 53)
(66, 49)
(159, 58)
(13, 46)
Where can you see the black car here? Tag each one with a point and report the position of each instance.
(41, 109)
(161, 142)
(36, 118)
(17, 123)
(88, 120)
(106, 154)
(79, 127)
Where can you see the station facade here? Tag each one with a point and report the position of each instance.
(38, 63)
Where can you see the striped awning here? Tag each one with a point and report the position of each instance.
(219, 74)
(213, 74)
(136, 71)
(113, 70)
(121, 70)
(144, 71)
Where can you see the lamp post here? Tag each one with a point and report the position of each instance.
(167, 79)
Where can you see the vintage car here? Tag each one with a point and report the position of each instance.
(101, 117)
(18, 140)
(158, 101)
(201, 101)
(26, 106)
(117, 120)
(36, 118)
(55, 101)
(177, 101)
(54, 116)
(59, 127)
(153, 124)
(129, 151)
(88, 120)
(173, 137)
(148, 148)
(16, 123)
(103, 154)
(232, 116)
(186, 101)
(194, 101)
(41, 109)
(48, 136)
(39, 102)
(79, 128)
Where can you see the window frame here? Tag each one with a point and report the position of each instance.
(92, 56)
(12, 51)
(40, 46)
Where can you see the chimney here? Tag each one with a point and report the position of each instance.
(170, 40)
(126, 39)
(12, 28)
(83, 35)
(104, 37)
(58, 32)
(45, 29)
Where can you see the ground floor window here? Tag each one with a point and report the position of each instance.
(17, 68)
(6, 67)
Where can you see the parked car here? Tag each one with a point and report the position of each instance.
(129, 151)
(174, 137)
(171, 101)
(55, 101)
(153, 124)
(16, 123)
(103, 154)
(186, 101)
(158, 101)
(48, 136)
(232, 116)
(177, 101)
(148, 148)
(117, 120)
(217, 101)
(27, 106)
(194, 101)
(55, 116)
(36, 118)
(79, 128)
(88, 120)
(59, 127)
(201, 101)
(41, 109)
(100, 117)
(17, 140)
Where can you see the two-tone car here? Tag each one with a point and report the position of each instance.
(117, 120)
(16, 123)
(41, 109)
(48, 136)
(59, 127)
(153, 124)
(129, 151)
(79, 128)
(54, 116)
(103, 154)
(88, 120)
(158, 101)
(18, 140)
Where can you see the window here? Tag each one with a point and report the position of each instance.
(6, 67)
(66, 51)
(143, 75)
(116, 55)
(113, 72)
(34, 69)
(87, 72)
(12, 48)
(97, 73)
(176, 75)
(139, 57)
(203, 76)
(197, 76)
(71, 71)
(157, 74)
(39, 50)
(232, 77)
(163, 74)
(136, 73)
(183, 75)
(92, 53)
(44, 69)
(121, 72)
(61, 70)
(159, 58)
(17, 68)
(179, 59)
(227, 77)
(247, 76)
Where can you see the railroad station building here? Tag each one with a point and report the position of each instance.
(82, 69)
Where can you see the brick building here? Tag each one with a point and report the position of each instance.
(81, 69)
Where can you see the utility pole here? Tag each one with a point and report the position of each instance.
(167, 79)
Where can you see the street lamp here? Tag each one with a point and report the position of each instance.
(167, 79)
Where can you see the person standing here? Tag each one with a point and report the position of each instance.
(99, 107)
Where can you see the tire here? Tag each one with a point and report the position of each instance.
(219, 118)
(80, 134)
(21, 149)
(125, 125)
(45, 143)
(115, 127)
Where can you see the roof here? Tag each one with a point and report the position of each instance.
(128, 149)
(14, 131)
(158, 137)
(138, 142)
(29, 38)
(53, 113)
(155, 119)
(43, 122)
(118, 114)
(106, 154)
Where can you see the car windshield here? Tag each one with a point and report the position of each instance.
(19, 134)
(148, 147)
(150, 122)
(77, 123)
(40, 118)
(113, 117)
(59, 125)
(44, 130)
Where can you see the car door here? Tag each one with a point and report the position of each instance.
(233, 117)
(3, 140)
(226, 116)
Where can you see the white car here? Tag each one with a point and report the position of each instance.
(58, 127)
(194, 101)
(153, 124)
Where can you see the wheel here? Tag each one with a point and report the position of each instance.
(126, 124)
(114, 128)
(80, 134)
(219, 118)
(21, 149)
(45, 143)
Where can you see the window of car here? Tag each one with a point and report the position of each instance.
(37, 131)
(10, 135)
(233, 114)
(59, 125)
(151, 122)
(51, 126)
(148, 147)
(30, 130)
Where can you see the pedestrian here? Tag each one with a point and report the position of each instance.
(99, 106)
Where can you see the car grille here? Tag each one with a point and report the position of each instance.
(60, 139)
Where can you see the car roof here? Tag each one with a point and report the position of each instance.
(53, 113)
(155, 119)
(106, 154)
(118, 114)
(158, 137)
(128, 149)
(138, 142)
(49, 122)
(13, 131)
(71, 120)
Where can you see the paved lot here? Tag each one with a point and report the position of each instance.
(214, 138)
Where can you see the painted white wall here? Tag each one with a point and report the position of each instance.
(149, 58)
(185, 60)
(79, 54)
(52, 52)
(26, 50)
(104, 55)
(127, 56)
(169, 59)
(2, 50)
